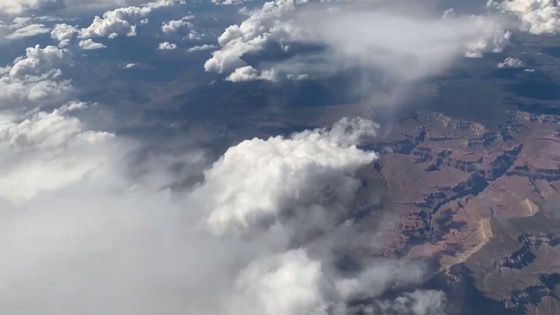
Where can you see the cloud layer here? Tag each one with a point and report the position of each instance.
(93, 222)
(536, 16)
(404, 43)
(89, 228)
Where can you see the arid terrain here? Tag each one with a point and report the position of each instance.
(484, 203)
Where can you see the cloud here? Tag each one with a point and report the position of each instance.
(182, 27)
(37, 60)
(383, 39)
(88, 44)
(292, 283)
(17, 7)
(258, 180)
(120, 21)
(167, 46)
(49, 7)
(511, 62)
(22, 27)
(34, 77)
(113, 23)
(250, 36)
(287, 284)
(174, 26)
(94, 221)
(418, 302)
(63, 33)
(111, 235)
(248, 73)
(404, 44)
(49, 146)
(202, 47)
(537, 16)
(28, 31)
(227, 2)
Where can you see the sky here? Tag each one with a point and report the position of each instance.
(110, 208)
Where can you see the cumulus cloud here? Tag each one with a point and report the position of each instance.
(404, 44)
(120, 21)
(37, 60)
(48, 146)
(113, 23)
(427, 302)
(537, 16)
(63, 33)
(250, 36)
(293, 283)
(182, 27)
(202, 47)
(33, 77)
(110, 239)
(167, 46)
(287, 284)
(248, 73)
(15, 7)
(174, 26)
(511, 62)
(89, 44)
(277, 172)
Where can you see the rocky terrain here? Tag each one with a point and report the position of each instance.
(484, 203)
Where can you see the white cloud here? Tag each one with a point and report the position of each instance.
(167, 46)
(491, 37)
(47, 7)
(511, 62)
(250, 36)
(89, 44)
(16, 7)
(227, 2)
(64, 33)
(405, 44)
(37, 60)
(174, 26)
(28, 31)
(202, 47)
(418, 302)
(292, 283)
(120, 21)
(21, 27)
(33, 77)
(114, 241)
(22, 91)
(116, 232)
(182, 27)
(258, 180)
(375, 279)
(49, 146)
(248, 73)
(537, 16)
(286, 284)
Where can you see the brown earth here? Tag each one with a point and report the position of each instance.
(487, 200)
